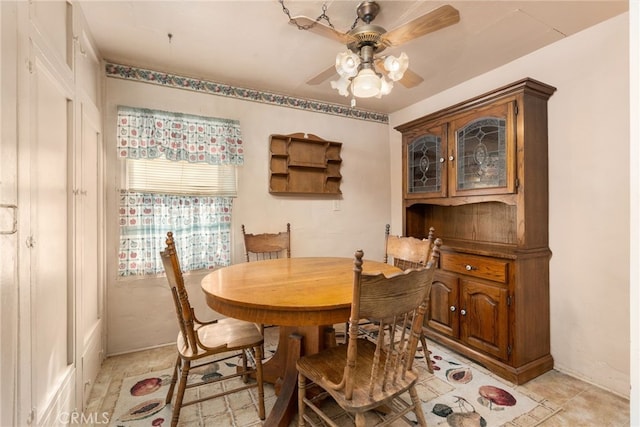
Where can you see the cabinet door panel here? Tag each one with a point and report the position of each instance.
(484, 151)
(484, 317)
(442, 315)
(426, 171)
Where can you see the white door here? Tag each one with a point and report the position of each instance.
(8, 216)
(51, 284)
(89, 287)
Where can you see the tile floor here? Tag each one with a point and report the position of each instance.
(583, 405)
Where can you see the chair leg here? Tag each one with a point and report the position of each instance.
(302, 381)
(174, 378)
(360, 419)
(425, 350)
(417, 406)
(346, 333)
(261, 327)
(261, 411)
(186, 365)
(245, 377)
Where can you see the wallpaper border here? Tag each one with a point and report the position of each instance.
(127, 72)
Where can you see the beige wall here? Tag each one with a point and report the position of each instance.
(589, 193)
(140, 312)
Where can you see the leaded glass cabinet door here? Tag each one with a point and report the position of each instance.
(426, 164)
(484, 152)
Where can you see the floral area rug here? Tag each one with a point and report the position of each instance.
(464, 394)
(460, 393)
(142, 400)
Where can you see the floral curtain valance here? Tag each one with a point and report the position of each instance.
(148, 134)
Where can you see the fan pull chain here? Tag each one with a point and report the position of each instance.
(307, 27)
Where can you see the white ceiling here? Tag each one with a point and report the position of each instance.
(250, 44)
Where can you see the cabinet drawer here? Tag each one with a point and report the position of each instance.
(482, 267)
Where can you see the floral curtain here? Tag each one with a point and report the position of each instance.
(201, 227)
(147, 134)
(201, 224)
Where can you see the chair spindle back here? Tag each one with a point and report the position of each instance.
(408, 252)
(267, 245)
(184, 310)
(398, 305)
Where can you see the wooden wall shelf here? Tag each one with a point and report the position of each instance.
(304, 164)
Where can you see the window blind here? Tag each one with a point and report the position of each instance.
(164, 176)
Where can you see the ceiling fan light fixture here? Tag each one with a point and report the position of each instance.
(385, 87)
(357, 66)
(366, 84)
(396, 66)
(347, 64)
(342, 85)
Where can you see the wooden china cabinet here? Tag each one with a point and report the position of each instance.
(478, 173)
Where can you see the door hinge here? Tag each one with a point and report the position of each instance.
(515, 108)
(517, 183)
(509, 300)
(509, 350)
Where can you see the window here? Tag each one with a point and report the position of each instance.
(179, 175)
(168, 177)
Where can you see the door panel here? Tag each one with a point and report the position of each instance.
(484, 317)
(89, 286)
(484, 151)
(442, 315)
(51, 287)
(87, 232)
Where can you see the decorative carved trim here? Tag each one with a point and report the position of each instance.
(213, 88)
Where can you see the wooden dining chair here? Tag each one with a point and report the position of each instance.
(408, 252)
(365, 375)
(203, 343)
(267, 245)
(405, 253)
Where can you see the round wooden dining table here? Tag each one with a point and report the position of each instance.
(305, 297)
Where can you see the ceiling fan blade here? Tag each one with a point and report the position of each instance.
(322, 29)
(435, 20)
(410, 79)
(326, 74)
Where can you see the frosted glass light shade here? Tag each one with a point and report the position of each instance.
(366, 84)
(342, 85)
(347, 64)
(385, 87)
(396, 66)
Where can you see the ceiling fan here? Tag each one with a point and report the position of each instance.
(365, 43)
